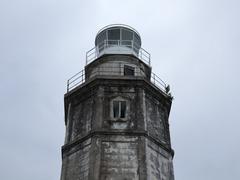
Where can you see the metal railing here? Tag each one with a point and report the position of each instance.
(76, 80)
(81, 77)
(118, 46)
(159, 82)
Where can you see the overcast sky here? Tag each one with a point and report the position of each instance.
(194, 45)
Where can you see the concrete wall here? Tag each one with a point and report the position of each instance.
(132, 96)
(114, 66)
(81, 117)
(159, 163)
(76, 163)
(101, 147)
(119, 159)
(157, 118)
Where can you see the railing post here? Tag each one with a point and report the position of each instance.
(149, 61)
(95, 50)
(153, 78)
(67, 85)
(105, 45)
(82, 76)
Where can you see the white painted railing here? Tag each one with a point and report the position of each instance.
(118, 47)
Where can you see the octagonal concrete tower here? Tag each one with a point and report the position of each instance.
(116, 114)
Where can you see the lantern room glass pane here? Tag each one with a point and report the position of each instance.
(101, 37)
(114, 34)
(137, 40)
(127, 35)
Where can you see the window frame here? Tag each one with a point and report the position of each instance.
(119, 100)
(129, 68)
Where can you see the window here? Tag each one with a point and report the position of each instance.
(137, 39)
(101, 37)
(127, 35)
(101, 40)
(137, 43)
(128, 70)
(119, 109)
(114, 34)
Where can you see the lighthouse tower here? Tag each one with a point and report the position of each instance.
(116, 114)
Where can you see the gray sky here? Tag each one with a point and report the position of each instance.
(194, 46)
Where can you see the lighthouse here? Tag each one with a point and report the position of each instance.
(117, 114)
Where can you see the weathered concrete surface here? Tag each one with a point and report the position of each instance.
(101, 147)
(159, 163)
(157, 119)
(76, 164)
(112, 65)
(119, 159)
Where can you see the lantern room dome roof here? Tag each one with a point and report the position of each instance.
(118, 32)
